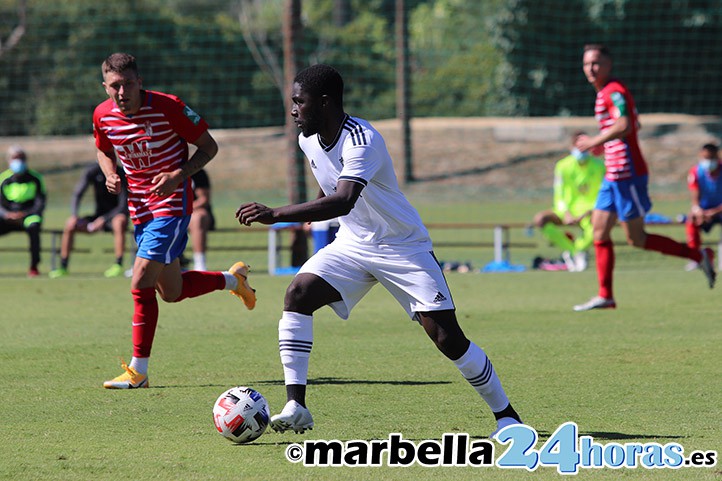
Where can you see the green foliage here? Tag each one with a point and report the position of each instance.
(467, 58)
(463, 83)
(662, 51)
(57, 73)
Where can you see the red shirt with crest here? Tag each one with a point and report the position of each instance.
(152, 141)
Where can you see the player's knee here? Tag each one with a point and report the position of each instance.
(637, 241)
(169, 295)
(296, 294)
(447, 335)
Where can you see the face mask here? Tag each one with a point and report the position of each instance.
(579, 155)
(18, 166)
(708, 164)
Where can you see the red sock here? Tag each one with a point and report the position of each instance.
(671, 247)
(197, 283)
(604, 251)
(145, 320)
(694, 240)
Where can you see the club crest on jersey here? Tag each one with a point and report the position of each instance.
(192, 116)
(137, 155)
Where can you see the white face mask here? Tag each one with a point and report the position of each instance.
(708, 164)
(18, 166)
(579, 155)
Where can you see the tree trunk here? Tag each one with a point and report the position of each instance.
(292, 47)
(403, 89)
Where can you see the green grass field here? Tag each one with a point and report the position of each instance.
(647, 372)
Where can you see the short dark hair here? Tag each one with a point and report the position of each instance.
(711, 148)
(603, 49)
(120, 62)
(320, 80)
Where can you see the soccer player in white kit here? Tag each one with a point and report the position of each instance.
(381, 239)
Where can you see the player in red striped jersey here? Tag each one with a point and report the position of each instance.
(623, 196)
(148, 133)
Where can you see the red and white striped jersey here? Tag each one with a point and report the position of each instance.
(152, 141)
(622, 157)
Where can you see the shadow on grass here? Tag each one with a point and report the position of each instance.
(614, 436)
(312, 382)
(342, 381)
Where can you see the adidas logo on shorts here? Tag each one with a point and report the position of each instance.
(439, 297)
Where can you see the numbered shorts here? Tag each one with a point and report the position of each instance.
(162, 239)
(627, 198)
(415, 280)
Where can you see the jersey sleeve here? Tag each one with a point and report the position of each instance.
(617, 104)
(101, 140)
(184, 121)
(361, 160)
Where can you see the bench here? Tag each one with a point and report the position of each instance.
(502, 243)
(500, 240)
(55, 238)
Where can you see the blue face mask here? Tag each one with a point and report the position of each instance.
(18, 166)
(708, 164)
(579, 155)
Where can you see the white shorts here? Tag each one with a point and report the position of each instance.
(415, 280)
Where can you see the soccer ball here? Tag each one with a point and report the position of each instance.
(241, 414)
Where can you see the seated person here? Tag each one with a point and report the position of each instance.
(577, 179)
(111, 215)
(202, 219)
(22, 202)
(705, 186)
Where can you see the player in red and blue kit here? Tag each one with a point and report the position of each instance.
(623, 195)
(705, 186)
(149, 132)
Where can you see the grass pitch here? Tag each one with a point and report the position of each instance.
(647, 372)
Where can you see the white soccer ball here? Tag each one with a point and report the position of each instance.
(241, 414)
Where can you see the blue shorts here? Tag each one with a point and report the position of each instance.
(162, 239)
(627, 198)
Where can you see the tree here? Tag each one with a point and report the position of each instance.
(17, 31)
(662, 50)
(454, 63)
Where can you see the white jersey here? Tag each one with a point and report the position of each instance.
(382, 217)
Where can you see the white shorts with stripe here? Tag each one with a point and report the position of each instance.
(414, 278)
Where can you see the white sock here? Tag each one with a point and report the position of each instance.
(295, 340)
(140, 364)
(231, 280)
(199, 261)
(477, 369)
